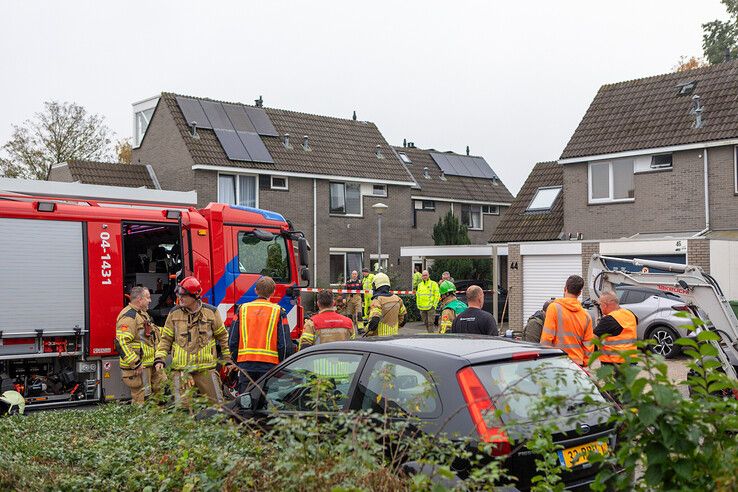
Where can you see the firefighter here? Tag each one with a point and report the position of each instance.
(261, 339)
(619, 324)
(568, 326)
(353, 303)
(366, 283)
(388, 312)
(190, 334)
(450, 305)
(327, 325)
(136, 337)
(426, 298)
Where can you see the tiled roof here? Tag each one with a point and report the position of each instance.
(111, 174)
(519, 225)
(338, 147)
(648, 113)
(453, 187)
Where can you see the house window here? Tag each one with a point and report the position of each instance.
(662, 161)
(471, 216)
(345, 198)
(544, 199)
(405, 158)
(279, 183)
(342, 263)
(611, 181)
(379, 190)
(141, 121)
(490, 210)
(425, 205)
(374, 259)
(237, 189)
(735, 167)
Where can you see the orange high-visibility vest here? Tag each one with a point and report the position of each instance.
(623, 342)
(258, 325)
(572, 333)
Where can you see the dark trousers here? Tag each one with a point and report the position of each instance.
(244, 381)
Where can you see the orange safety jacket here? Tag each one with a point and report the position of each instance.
(568, 327)
(623, 342)
(258, 326)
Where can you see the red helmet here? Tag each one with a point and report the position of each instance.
(190, 286)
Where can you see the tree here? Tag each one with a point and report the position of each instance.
(450, 231)
(60, 133)
(124, 151)
(721, 37)
(690, 63)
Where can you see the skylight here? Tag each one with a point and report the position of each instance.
(544, 199)
(405, 158)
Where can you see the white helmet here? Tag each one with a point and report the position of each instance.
(12, 402)
(380, 280)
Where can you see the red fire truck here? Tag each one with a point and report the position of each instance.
(71, 252)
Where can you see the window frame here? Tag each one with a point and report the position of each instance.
(496, 212)
(383, 192)
(345, 214)
(366, 371)
(735, 169)
(344, 253)
(261, 407)
(611, 183)
(481, 216)
(238, 188)
(286, 186)
(544, 209)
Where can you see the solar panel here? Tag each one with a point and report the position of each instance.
(239, 118)
(192, 111)
(217, 115)
(463, 165)
(232, 145)
(261, 121)
(255, 147)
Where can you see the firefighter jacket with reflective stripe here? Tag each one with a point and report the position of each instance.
(259, 325)
(451, 307)
(427, 295)
(355, 285)
(622, 342)
(568, 327)
(191, 339)
(327, 326)
(386, 315)
(136, 337)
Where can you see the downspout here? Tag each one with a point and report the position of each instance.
(315, 229)
(707, 192)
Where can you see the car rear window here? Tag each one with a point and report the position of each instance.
(517, 388)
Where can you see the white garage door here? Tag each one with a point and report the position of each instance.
(544, 277)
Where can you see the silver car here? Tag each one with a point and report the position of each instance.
(657, 314)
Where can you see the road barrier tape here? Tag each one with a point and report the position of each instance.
(352, 291)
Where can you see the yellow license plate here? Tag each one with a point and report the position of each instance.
(578, 455)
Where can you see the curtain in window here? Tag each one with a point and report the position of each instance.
(247, 190)
(227, 189)
(353, 198)
(337, 198)
(354, 261)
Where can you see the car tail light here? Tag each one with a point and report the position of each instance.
(478, 403)
(525, 355)
(680, 307)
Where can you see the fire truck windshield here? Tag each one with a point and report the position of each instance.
(257, 256)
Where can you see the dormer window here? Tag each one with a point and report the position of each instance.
(142, 113)
(686, 88)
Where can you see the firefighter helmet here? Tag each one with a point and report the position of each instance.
(190, 286)
(12, 402)
(447, 287)
(380, 280)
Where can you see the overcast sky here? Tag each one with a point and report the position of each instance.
(511, 79)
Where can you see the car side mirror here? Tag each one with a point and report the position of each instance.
(305, 276)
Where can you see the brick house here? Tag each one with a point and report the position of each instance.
(322, 173)
(105, 173)
(656, 155)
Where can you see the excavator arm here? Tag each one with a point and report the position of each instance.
(695, 287)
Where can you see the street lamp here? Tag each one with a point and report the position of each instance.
(379, 208)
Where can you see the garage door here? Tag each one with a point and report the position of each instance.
(544, 277)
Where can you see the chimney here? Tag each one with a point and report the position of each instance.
(193, 125)
(378, 152)
(404, 142)
(259, 102)
(697, 111)
(411, 145)
(443, 175)
(354, 117)
(286, 140)
(467, 150)
(305, 143)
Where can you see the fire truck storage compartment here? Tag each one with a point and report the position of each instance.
(42, 298)
(152, 258)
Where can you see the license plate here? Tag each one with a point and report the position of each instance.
(578, 455)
